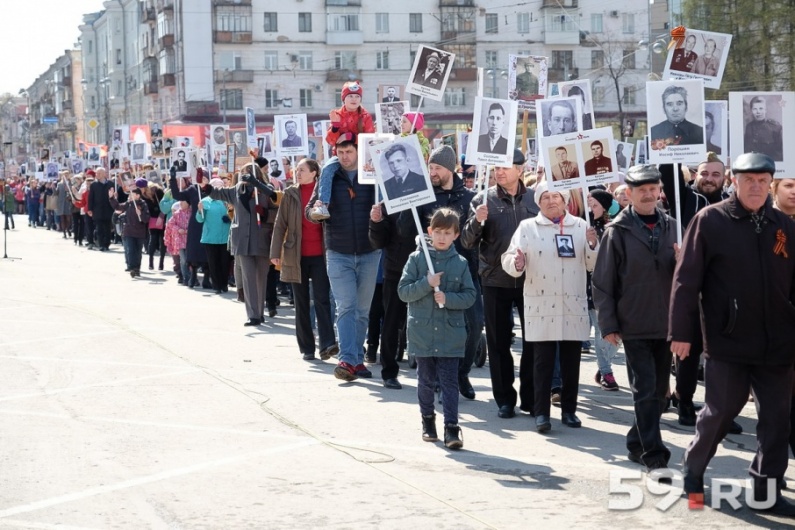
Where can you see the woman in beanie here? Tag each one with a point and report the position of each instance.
(351, 118)
(600, 203)
(412, 123)
(134, 232)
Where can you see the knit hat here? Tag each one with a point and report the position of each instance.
(261, 161)
(91, 173)
(604, 198)
(543, 188)
(443, 156)
(216, 183)
(141, 183)
(352, 87)
(420, 123)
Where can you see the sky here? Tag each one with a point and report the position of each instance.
(34, 33)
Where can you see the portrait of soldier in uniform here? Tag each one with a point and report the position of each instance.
(762, 134)
(676, 127)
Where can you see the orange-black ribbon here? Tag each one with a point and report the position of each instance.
(677, 37)
(781, 244)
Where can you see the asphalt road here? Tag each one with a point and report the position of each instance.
(143, 404)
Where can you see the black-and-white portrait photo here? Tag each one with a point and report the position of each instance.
(642, 156)
(219, 135)
(181, 160)
(390, 116)
(716, 127)
(429, 73)
(157, 146)
(155, 130)
(764, 122)
(265, 144)
(93, 155)
(582, 90)
(527, 78)
(237, 138)
(390, 93)
(52, 170)
(44, 154)
(290, 130)
(628, 130)
(251, 129)
(701, 55)
(494, 132)
(138, 153)
(624, 155)
(314, 147)
(78, 165)
(565, 244)
(401, 173)
(559, 116)
(676, 110)
(230, 158)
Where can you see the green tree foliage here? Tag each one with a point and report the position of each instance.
(762, 53)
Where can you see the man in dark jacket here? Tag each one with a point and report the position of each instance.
(737, 269)
(631, 287)
(351, 260)
(99, 208)
(450, 192)
(489, 230)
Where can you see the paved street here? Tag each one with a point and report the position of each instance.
(143, 404)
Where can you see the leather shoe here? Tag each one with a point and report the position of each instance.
(253, 322)
(543, 424)
(570, 419)
(392, 383)
(506, 411)
(465, 387)
(735, 428)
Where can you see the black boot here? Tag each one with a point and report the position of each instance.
(452, 437)
(429, 428)
(687, 413)
(151, 262)
(206, 284)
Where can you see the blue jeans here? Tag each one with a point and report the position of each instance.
(604, 350)
(183, 266)
(444, 370)
(326, 177)
(132, 250)
(352, 278)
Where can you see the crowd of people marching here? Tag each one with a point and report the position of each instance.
(359, 277)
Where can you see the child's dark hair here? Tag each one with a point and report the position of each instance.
(445, 219)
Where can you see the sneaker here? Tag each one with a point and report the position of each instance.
(362, 371)
(329, 352)
(429, 428)
(554, 397)
(609, 383)
(452, 437)
(345, 371)
(319, 214)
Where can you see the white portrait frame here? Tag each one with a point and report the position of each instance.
(279, 134)
(478, 156)
(723, 43)
(446, 60)
(416, 165)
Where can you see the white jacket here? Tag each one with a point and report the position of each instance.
(555, 301)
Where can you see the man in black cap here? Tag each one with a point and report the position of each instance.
(737, 272)
(631, 286)
(489, 230)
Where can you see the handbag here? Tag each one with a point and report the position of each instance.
(156, 223)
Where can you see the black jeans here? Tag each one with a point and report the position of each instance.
(544, 356)
(9, 215)
(394, 319)
(313, 268)
(648, 371)
(474, 321)
(77, 227)
(156, 243)
(218, 263)
(103, 232)
(498, 303)
(89, 228)
(375, 317)
(270, 291)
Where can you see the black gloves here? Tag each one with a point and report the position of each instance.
(173, 172)
(261, 186)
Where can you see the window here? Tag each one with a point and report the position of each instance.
(413, 56)
(415, 22)
(454, 97)
(305, 22)
(271, 60)
(345, 60)
(230, 61)
(562, 59)
(597, 58)
(118, 55)
(458, 22)
(338, 94)
(270, 98)
(628, 25)
(629, 59)
(232, 99)
(90, 46)
(491, 59)
(629, 96)
(337, 22)
(523, 22)
(598, 95)
(561, 23)
(271, 23)
(304, 60)
(231, 20)
(306, 97)
(382, 61)
(596, 23)
(93, 102)
(382, 22)
(491, 22)
(414, 102)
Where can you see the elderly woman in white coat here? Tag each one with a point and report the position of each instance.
(554, 250)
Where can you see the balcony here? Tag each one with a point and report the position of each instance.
(66, 104)
(232, 2)
(232, 36)
(344, 38)
(234, 76)
(457, 3)
(560, 3)
(166, 41)
(67, 81)
(148, 14)
(164, 5)
(555, 75)
(335, 74)
(343, 3)
(168, 80)
(150, 88)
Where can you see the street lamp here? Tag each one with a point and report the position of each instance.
(493, 74)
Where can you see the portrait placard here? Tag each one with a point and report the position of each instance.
(218, 136)
(527, 79)
(230, 158)
(624, 151)
(265, 145)
(461, 142)
(366, 141)
(314, 146)
(182, 160)
(138, 153)
(597, 147)
(251, 129)
(716, 128)
(289, 131)
(494, 132)
(390, 93)
(675, 112)
(581, 89)
(562, 161)
(429, 74)
(702, 55)
(402, 174)
(389, 116)
(78, 165)
(559, 115)
(764, 122)
(642, 151)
